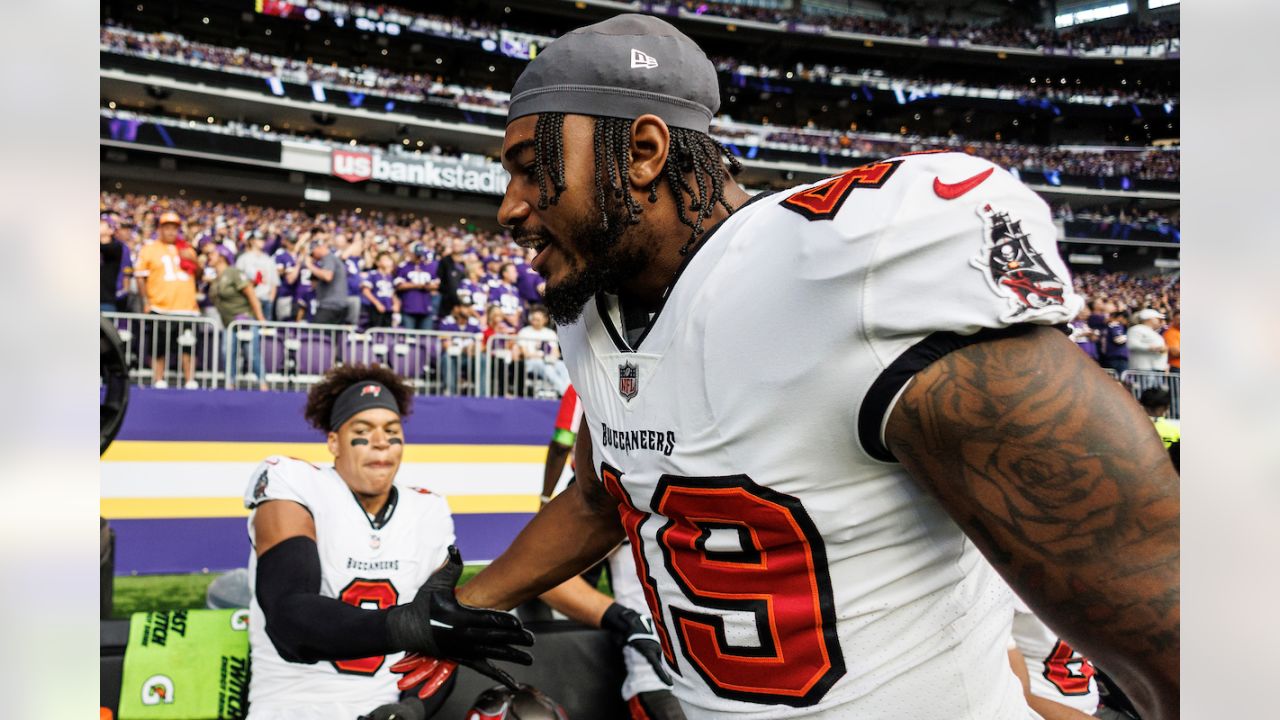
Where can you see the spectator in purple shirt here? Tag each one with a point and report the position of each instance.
(458, 363)
(378, 288)
(1115, 343)
(351, 251)
(1085, 337)
(414, 283)
(506, 296)
(288, 269)
(472, 289)
(530, 284)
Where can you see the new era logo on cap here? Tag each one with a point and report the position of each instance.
(641, 60)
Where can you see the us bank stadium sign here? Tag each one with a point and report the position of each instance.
(438, 172)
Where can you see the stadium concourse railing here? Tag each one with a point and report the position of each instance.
(1139, 380)
(293, 356)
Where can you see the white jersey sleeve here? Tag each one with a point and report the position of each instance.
(969, 251)
(279, 478)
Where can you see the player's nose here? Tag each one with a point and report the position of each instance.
(514, 209)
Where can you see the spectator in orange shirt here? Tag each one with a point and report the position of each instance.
(1173, 341)
(168, 291)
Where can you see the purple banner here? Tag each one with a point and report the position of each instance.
(150, 547)
(241, 416)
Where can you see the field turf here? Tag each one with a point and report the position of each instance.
(145, 593)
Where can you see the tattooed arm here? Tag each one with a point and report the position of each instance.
(1057, 475)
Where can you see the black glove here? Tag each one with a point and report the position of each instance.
(407, 709)
(435, 624)
(628, 627)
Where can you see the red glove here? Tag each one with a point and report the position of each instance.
(417, 669)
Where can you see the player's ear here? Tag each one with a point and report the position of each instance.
(332, 442)
(650, 141)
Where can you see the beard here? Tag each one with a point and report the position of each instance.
(606, 263)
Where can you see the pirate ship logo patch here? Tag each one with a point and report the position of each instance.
(1014, 269)
(628, 380)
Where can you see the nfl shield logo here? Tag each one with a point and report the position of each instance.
(628, 380)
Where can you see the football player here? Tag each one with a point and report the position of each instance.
(646, 689)
(1057, 681)
(809, 500)
(349, 569)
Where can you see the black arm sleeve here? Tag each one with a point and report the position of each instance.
(304, 625)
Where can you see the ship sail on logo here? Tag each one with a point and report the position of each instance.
(1014, 268)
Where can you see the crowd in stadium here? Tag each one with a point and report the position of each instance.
(1000, 34)
(176, 48)
(1130, 322)
(381, 251)
(1061, 90)
(359, 237)
(1140, 164)
(1120, 223)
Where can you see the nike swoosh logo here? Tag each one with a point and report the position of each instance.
(951, 191)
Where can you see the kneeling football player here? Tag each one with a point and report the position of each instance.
(349, 570)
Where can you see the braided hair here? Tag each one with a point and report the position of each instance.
(690, 153)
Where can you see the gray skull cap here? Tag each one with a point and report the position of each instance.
(623, 67)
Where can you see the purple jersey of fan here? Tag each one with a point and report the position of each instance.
(527, 283)
(284, 261)
(449, 323)
(414, 301)
(383, 287)
(508, 298)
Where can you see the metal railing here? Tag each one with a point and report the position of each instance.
(512, 372)
(184, 349)
(1139, 380)
(291, 356)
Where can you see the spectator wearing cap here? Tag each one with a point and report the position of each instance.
(1147, 350)
(234, 298)
(260, 269)
(169, 292)
(289, 270)
(414, 283)
(329, 277)
(378, 288)
(1173, 341)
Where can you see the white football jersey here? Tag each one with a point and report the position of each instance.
(1057, 672)
(793, 569)
(360, 565)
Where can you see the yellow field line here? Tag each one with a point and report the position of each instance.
(173, 452)
(214, 507)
